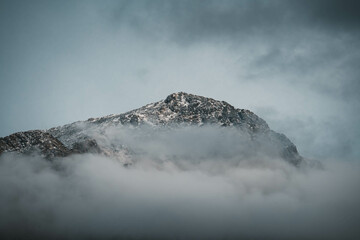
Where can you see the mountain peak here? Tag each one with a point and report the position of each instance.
(176, 110)
(188, 109)
(183, 98)
(180, 98)
(177, 95)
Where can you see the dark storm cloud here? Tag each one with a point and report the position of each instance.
(191, 21)
(334, 14)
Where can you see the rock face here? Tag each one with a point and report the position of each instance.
(188, 109)
(176, 111)
(26, 142)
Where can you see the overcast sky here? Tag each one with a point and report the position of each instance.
(294, 63)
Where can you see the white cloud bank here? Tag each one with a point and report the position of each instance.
(94, 197)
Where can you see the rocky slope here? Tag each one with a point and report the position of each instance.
(36, 140)
(176, 111)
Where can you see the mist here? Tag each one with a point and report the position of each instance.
(294, 63)
(183, 184)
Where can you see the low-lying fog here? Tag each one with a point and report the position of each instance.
(184, 184)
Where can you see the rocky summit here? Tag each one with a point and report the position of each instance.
(175, 111)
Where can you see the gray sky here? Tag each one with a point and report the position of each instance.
(294, 63)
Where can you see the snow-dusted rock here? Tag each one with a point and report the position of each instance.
(26, 142)
(175, 111)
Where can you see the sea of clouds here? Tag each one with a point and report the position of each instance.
(183, 184)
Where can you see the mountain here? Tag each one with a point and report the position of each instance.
(176, 111)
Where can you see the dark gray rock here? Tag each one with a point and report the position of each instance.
(86, 146)
(177, 110)
(25, 142)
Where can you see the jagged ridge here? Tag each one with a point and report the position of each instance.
(187, 109)
(176, 110)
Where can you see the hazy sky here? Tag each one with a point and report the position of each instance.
(294, 63)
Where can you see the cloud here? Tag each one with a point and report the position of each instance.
(333, 14)
(191, 21)
(176, 189)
